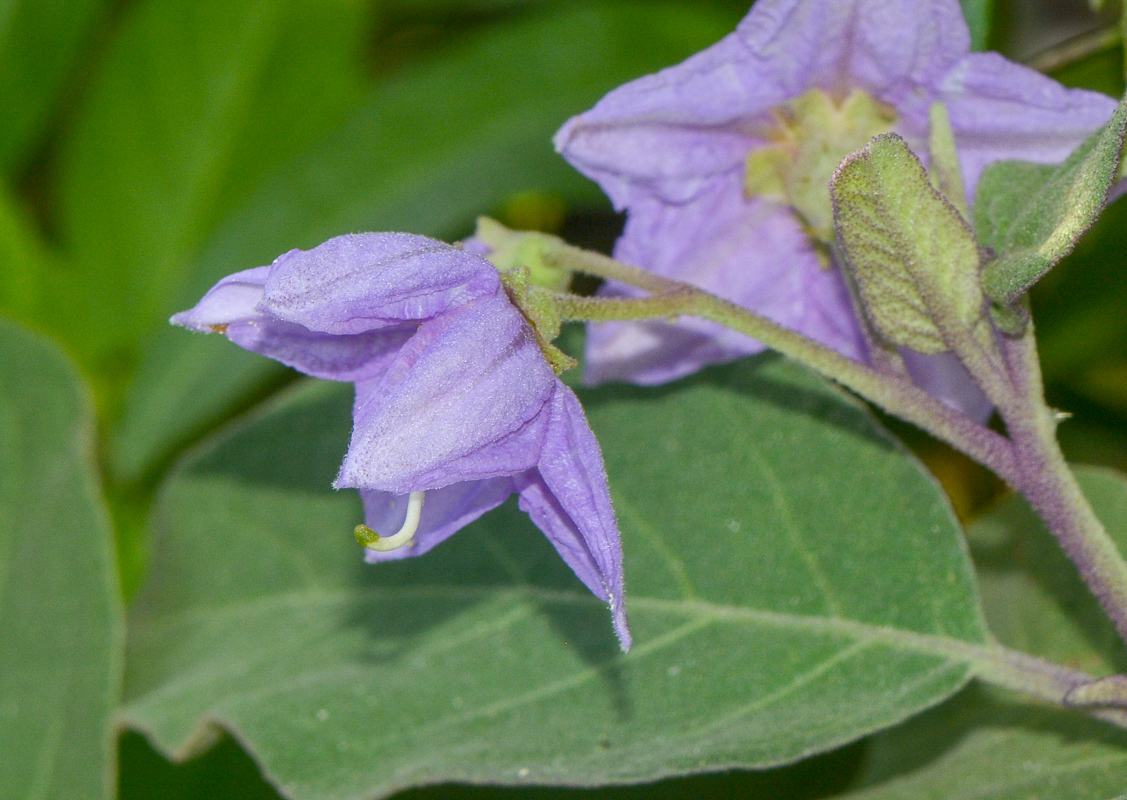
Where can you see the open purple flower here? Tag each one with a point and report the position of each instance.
(723, 163)
(455, 402)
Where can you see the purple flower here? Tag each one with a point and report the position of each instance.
(454, 397)
(723, 163)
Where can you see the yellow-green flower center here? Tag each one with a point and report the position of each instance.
(810, 136)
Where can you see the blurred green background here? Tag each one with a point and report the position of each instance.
(148, 147)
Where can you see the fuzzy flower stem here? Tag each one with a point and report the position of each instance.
(1045, 479)
(670, 298)
(1033, 676)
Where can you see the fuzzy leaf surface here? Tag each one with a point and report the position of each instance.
(990, 745)
(60, 653)
(912, 255)
(1033, 215)
(780, 606)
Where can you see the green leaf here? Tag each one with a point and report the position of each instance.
(430, 151)
(978, 14)
(779, 605)
(24, 261)
(194, 104)
(1032, 216)
(39, 45)
(993, 746)
(912, 255)
(989, 746)
(60, 654)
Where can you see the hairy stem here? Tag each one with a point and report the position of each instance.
(1045, 479)
(1023, 673)
(1030, 459)
(896, 394)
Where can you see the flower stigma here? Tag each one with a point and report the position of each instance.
(404, 537)
(809, 137)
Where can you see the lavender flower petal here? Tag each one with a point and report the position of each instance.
(356, 283)
(569, 500)
(447, 406)
(1001, 110)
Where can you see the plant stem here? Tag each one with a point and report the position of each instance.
(1045, 479)
(1029, 460)
(896, 394)
(1023, 673)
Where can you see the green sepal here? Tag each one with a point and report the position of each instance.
(539, 308)
(510, 249)
(1032, 215)
(913, 257)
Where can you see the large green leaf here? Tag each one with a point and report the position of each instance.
(39, 43)
(60, 652)
(780, 604)
(194, 103)
(431, 150)
(991, 746)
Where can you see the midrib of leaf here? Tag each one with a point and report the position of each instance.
(970, 653)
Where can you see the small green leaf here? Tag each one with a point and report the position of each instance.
(60, 652)
(39, 45)
(433, 148)
(990, 745)
(1032, 216)
(912, 255)
(779, 605)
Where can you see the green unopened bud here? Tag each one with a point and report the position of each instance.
(510, 249)
(913, 257)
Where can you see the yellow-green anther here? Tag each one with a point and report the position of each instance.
(401, 538)
(810, 136)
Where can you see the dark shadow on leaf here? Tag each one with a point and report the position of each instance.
(297, 445)
(502, 550)
(769, 378)
(933, 735)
